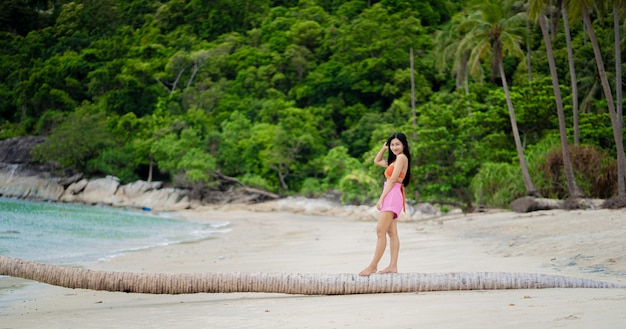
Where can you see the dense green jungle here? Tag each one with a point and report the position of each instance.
(296, 97)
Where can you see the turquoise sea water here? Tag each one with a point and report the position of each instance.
(72, 234)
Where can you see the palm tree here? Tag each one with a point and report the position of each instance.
(285, 283)
(447, 48)
(619, 6)
(493, 33)
(587, 80)
(518, 7)
(572, 74)
(582, 8)
(537, 10)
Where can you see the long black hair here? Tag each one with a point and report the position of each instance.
(392, 157)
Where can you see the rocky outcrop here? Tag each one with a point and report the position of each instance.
(328, 206)
(18, 181)
(17, 149)
(139, 194)
(22, 178)
(104, 191)
(100, 190)
(152, 195)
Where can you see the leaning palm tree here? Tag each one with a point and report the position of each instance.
(494, 32)
(582, 8)
(537, 10)
(619, 7)
(286, 283)
(572, 74)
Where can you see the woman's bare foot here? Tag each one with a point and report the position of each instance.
(368, 270)
(389, 269)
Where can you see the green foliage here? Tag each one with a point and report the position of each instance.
(113, 161)
(197, 165)
(79, 138)
(535, 109)
(293, 96)
(48, 121)
(10, 130)
(184, 153)
(454, 137)
(357, 187)
(596, 129)
(497, 184)
(312, 187)
(233, 154)
(257, 181)
(536, 156)
(337, 164)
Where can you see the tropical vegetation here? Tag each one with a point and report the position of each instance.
(499, 98)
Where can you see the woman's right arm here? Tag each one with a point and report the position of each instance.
(378, 159)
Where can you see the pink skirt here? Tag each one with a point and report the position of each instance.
(393, 201)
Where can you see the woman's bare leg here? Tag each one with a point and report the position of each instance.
(394, 248)
(385, 221)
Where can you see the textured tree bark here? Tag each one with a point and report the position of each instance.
(574, 191)
(286, 283)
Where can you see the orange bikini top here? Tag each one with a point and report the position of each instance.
(388, 173)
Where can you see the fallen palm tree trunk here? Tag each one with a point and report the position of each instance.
(305, 284)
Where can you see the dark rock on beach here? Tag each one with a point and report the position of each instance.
(17, 150)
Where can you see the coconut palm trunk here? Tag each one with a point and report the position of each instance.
(285, 283)
(493, 31)
(413, 111)
(528, 183)
(572, 74)
(621, 159)
(574, 191)
(618, 86)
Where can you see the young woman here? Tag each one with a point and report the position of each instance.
(391, 201)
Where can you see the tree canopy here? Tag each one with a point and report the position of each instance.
(296, 96)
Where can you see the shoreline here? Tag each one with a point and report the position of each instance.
(586, 244)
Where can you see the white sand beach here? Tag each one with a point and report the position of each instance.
(586, 244)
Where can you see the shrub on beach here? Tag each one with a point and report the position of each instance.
(497, 184)
(594, 170)
(312, 187)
